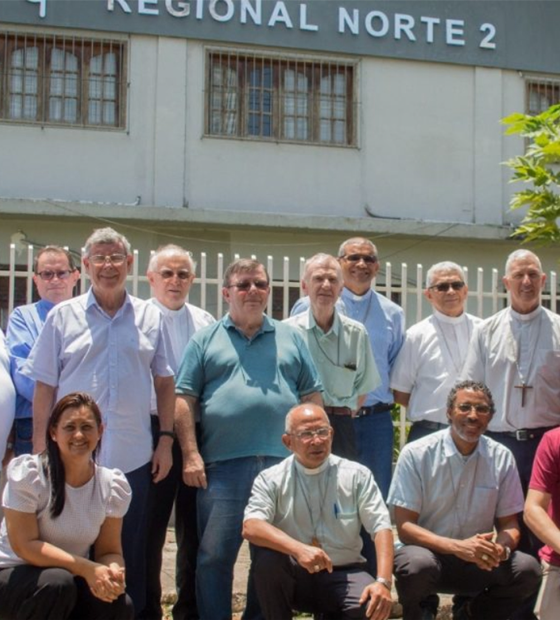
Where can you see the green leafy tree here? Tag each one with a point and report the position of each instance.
(539, 168)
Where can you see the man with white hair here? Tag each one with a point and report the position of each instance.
(171, 272)
(434, 350)
(516, 353)
(113, 346)
(339, 347)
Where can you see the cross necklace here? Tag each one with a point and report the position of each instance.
(524, 386)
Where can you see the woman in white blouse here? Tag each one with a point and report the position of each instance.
(60, 541)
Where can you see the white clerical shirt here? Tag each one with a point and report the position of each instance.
(509, 348)
(430, 362)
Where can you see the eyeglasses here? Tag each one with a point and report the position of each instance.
(245, 286)
(115, 259)
(356, 258)
(167, 274)
(482, 410)
(443, 287)
(48, 275)
(307, 436)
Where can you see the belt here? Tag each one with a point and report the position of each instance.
(433, 426)
(377, 408)
(524, 434)
(338, 411)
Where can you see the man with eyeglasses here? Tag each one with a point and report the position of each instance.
(242, 373)
(171, 272)
(434, 350)
(384, 322)
(113, 346)
(339, 347)
(55, 276)
(304, 519)
(455, 496)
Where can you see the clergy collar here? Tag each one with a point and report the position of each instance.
(526, 317)
(167, 311)
(452, 320)
(312, 472)
(346, 292)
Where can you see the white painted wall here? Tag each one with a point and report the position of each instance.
(430, 147)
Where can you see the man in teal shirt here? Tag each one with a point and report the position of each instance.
(242, 374)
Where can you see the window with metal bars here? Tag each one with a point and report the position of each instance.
(62, 80)
(280, 98)
(541, 94)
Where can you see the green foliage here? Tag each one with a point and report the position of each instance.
(396, 416)
(540, 168)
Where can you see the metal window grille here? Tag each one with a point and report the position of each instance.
(59, 79)
(280, 98)
(541, 94)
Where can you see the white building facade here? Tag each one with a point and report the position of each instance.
(264, 127)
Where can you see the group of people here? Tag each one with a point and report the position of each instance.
(125, 408)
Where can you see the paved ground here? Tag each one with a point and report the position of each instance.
(240, 582)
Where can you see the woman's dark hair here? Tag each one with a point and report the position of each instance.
(52, 463)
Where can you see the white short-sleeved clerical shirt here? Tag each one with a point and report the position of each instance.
(429, 363)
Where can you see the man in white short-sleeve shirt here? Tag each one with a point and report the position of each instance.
(434, 350)
(449, 491)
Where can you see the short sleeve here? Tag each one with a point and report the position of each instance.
(262, 502)
(26, 484)
(120, 495)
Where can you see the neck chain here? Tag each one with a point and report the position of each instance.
(337, 363)
(308, 502)
(362, 319)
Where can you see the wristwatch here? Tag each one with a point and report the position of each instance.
(507, 553)
(384, 582)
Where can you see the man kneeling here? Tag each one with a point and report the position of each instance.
(304, 518)
(449, 491)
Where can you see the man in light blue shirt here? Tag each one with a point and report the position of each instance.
(450, 490)
(55, 276)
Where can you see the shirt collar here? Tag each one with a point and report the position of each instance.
(452, 320)
(451, 449)
(312, 323)
(165, 310)
(348, 294)
(312, 472)
(45, 304)
(267, 324)
(526, 317)
(91, 301)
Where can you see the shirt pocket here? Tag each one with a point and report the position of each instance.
(342, 383)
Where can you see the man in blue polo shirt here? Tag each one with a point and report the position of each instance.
(242, 374)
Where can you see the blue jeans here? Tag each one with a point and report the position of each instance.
(220, 519)
(374, 440)
(23, 436)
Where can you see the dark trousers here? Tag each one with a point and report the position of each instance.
(283, 585)
(344, 438)
(524, 454)
(496, 594)
(134, 535)
(34, 593)
(162, 497)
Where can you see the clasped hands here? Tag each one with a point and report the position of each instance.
(106, 582)
(481, 550)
